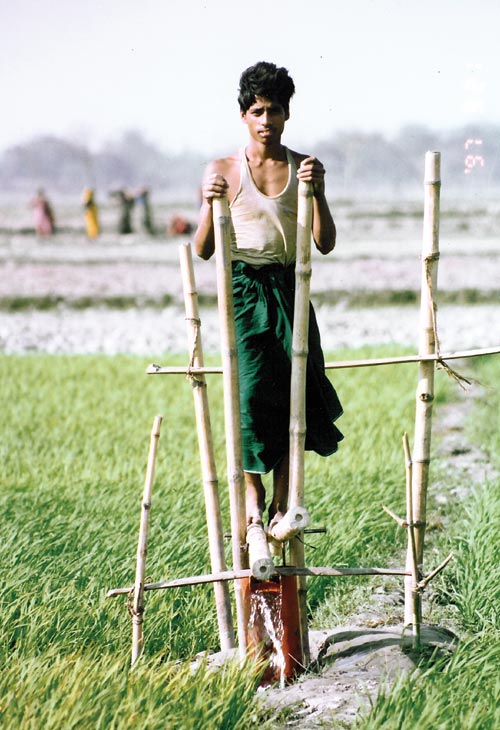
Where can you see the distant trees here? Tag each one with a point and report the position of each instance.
(371, 163)
(356, 162)
(48, 161)
(66, 168)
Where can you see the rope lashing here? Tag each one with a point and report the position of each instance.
(195, 382)
(440, 363)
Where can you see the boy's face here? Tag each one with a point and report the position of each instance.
(265, 120)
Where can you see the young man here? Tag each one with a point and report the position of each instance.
(261, 183)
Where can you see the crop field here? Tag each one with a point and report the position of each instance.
(79, 323)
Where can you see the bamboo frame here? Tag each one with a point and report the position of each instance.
(137, 607)
(300, 351)
(261, 562)
(427, 356)
(246, 573)
(416, 604)
(205, 443)
(294, 521)
(425, 387)
(231, 406)
(300, 346)
(342, 364)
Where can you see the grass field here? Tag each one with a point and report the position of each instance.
(75, 434)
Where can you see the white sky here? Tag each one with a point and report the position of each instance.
(170, 68)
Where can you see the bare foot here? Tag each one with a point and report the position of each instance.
(255, 510)
(274, 518)
(276, 547)
(255, 498)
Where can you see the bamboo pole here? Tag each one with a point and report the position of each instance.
(416, 603)
(205, 443)
(343, 364)
(231, 407)
(246, 573)
(423, 583)
(137, 610)
(300, 349)
(261, 562)
(296, 519)
(427, 346)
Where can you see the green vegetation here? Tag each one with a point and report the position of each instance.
(356, 299)
(47, 303)
(75, 434)
(463, 692)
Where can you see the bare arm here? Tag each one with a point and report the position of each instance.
(204, 242)
(323, 226)
(214, 185)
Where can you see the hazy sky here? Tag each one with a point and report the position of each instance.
(171, 67)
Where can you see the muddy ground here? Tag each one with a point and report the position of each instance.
(124, 294)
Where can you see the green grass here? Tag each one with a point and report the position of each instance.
(73, 449)
(465, 691)
(353, 299)
(80, 691)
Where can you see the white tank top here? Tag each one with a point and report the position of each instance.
(264, 227)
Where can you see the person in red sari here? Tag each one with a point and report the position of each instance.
(43, 215)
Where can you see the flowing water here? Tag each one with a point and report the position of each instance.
(265, 627)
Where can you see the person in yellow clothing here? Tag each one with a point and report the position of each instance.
(90, 213)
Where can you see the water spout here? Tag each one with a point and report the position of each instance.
(273, 631)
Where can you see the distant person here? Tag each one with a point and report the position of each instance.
(43, 215)
(90, 214)
(179, 225)
(143, 200)
(126, 203)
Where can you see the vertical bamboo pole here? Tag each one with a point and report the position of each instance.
(231, 407)
(300, 349)
(142, 547)
(412, 550)
(205, 443)
(427, 346)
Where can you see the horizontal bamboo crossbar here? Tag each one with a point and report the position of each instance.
(247, 573)
(340, 364)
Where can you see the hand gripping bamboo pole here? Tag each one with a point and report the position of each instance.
(231, 407)
(142, 547)
(427, 346)
(300, 349)
(205, 443)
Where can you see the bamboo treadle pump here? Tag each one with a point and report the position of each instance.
(256, 578)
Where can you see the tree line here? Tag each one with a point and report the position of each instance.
(357, 162)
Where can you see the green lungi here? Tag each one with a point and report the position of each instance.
(263, 311)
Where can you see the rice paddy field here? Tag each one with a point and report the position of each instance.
(77, 410)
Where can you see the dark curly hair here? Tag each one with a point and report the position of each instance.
(267, 80)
